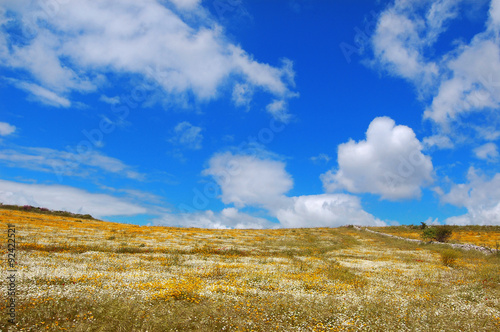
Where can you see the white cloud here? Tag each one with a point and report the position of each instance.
(278, 109)
(439, 141)
(249, 180)
(252, 181)
(227, 218)
(481, 197)
(454, 81)
(66, 163)
(75, 44)
(66, 198)
(397, 45)
(186, 4)
(473, 85)
(6, 129)
(327, 210)
(494, 23)
(242, 94)
(43, 95)
(110, 100)
(187, 135)
(488, 151)
(389, 163)
(322, 157)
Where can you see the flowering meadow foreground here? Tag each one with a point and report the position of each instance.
(88, 275)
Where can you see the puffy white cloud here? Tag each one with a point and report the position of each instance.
(327, 210)
(488, 151)
(247, 180)
(481, 197)
(494, 15)
(187, 135)
(57, 197)
(262, 182)
(6, 129)
(227, 218)
(389, 163)
(72, 45)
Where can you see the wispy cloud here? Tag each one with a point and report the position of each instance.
(6, 129)
(187, 135)
(43, 95)
(110, 100)
(81, 42)
(488, 151)
(453, 83)
(321, 158)
(481, 197)
(66, 163)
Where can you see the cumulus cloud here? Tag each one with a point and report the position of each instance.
(480, 196)
(6, 129)
(187, 135)
(73, 46)
(327, 210)
(228, 218)
(389, 162)
(57, 197)
(488, 151)
(247, 180)
(263, 182)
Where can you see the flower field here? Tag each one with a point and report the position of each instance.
(88, 275)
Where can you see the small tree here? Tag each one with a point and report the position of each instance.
(423, 225)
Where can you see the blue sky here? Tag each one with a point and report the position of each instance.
(251, 114)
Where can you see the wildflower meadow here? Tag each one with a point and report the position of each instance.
(88, 275)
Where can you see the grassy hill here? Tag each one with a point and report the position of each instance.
(89, 275)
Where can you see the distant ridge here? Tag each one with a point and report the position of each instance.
(42, 210)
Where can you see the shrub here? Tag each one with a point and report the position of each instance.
(429, 233)
(438, 233)
(443, 233)
(448, 257)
